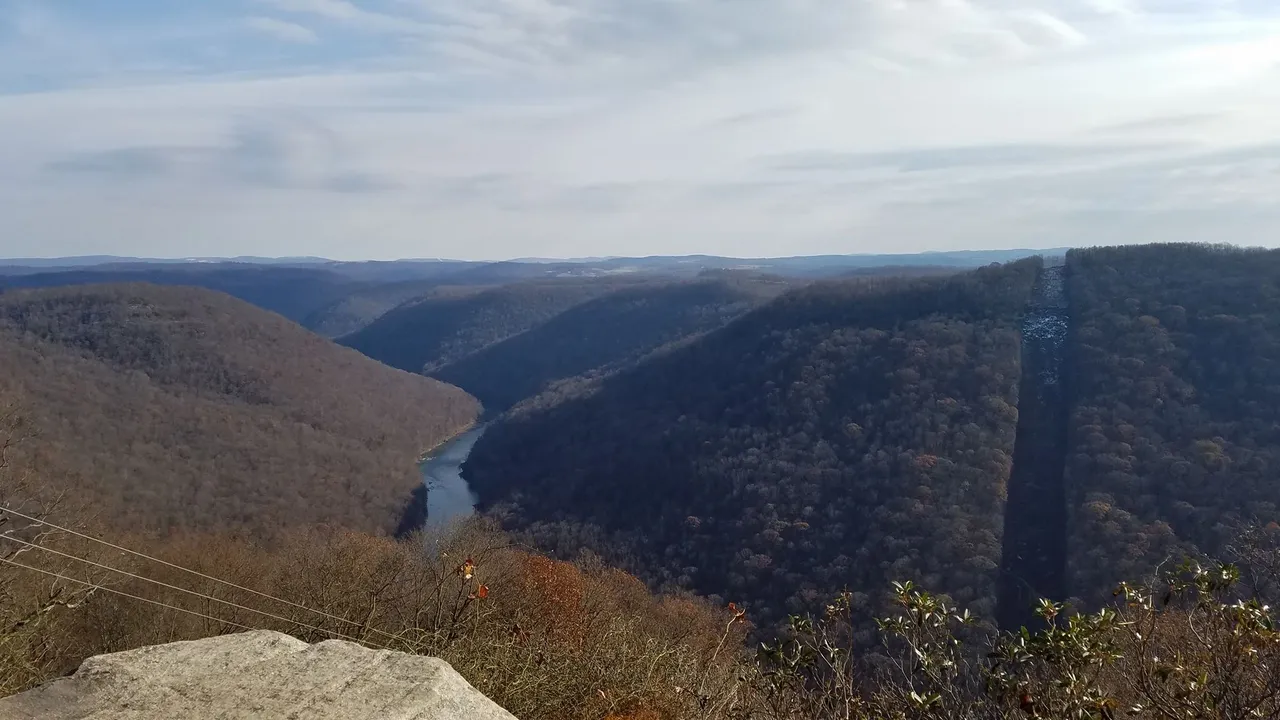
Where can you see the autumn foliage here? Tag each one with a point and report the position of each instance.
(554, 593)
(844, 435)
(545, 639)
(180, 409)
(1174, 422)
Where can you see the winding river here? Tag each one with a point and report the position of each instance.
(448, 496)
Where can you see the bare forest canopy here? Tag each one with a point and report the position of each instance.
(844, 434)
(857, 432)
(603, 334)
(785, 446)
(1175, 414)
(292, 292)
(336, 298)
(175, 408)
(432, 331)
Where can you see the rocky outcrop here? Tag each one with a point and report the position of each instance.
(262, 675)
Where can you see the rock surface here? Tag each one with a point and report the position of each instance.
(258, 674)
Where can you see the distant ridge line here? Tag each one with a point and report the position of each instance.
(71, 261)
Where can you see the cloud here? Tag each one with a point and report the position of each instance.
(359, 183)
(1147, 125)
(136, 162)
(350, 15)
(661, 37)
(334, 9)
(257, 154)
(1039, 28)
(1214, 182)
(754, 116)
(254, 153)
(491, 128)
(605, 198)
(973, 156)
(282, 30)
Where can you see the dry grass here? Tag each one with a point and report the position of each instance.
(544, 639)
(551, 640)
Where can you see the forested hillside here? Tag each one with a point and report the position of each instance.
(1175, 429)
(844, 435)
(181, 407)
(603, 334)
(361, 307)
(430, 332)
(781, 453)
(293, 292)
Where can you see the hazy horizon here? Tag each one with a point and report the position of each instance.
(494, 129)
(287, 259)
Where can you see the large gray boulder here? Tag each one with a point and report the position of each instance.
(262, 675)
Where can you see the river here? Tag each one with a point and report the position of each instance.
(448, 495)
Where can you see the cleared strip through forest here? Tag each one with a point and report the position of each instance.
(1033, 562)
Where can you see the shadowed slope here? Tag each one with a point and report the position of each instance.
(843, 435)
(602, 334)
(431, 332)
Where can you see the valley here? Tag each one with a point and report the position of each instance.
(876, 422)
(449, 498)
(721, 431)
(1043, 428)
(606, 360)
(173, 408)
(845, 433)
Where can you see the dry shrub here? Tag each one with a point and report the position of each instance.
(552, 640)
(545, 639)
(552, 593)
(637, 715)
(34, 601)
(563, 640)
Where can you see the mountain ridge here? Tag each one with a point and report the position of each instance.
(182, 407)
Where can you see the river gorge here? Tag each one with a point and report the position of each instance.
(448, 495)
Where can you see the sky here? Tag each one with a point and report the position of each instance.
(490, 129)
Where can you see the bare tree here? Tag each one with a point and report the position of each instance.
(30, 590)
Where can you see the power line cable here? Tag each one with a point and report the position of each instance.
(125, 594)
(183, 590)
(188, 570)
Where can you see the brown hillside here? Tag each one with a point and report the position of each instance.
(185, 408)
(843, 436)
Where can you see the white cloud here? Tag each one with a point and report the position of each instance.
(336, 9)
(282, 30)
(1039, 28)
(492, 128)
(1244, 59)
(662, 33)
(347, 13)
